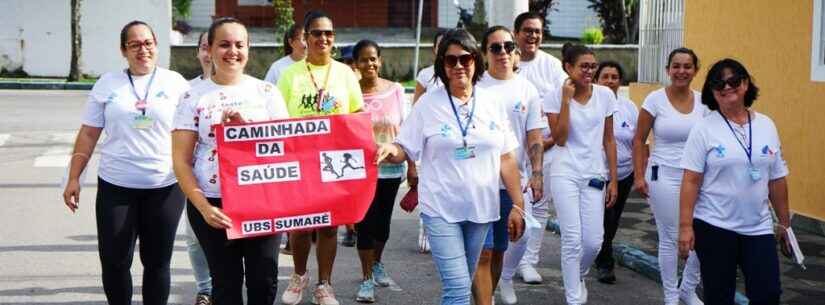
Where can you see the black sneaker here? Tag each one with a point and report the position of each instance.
(606, 276)
(349, 239)
(203, 299)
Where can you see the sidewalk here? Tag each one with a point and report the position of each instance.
(636, 248)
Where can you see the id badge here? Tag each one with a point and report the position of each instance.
(755, 174)
(142, 122)
(465, 152)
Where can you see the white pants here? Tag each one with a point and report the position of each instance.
(535, 237)
(515, 251)
(580, 210)
(664, 201)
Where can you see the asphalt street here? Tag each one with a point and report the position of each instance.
(49, 255)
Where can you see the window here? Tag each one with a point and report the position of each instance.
(818, 42)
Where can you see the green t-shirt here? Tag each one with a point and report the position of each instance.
(342, 91)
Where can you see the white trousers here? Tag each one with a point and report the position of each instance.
(515, 251)
(664, 201)
(580, 210)
(526, 250)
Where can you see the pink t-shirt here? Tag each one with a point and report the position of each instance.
(387, 111)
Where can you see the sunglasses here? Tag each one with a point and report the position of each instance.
(465, 59)
(733, 81)
(319, 33)
(500, 48)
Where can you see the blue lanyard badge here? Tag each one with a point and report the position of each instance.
(464, 152)
(140, 104)
(754, 172)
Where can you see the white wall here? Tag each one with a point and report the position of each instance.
(504, 12)
(44, 33)
(202, 11)
(572, 18)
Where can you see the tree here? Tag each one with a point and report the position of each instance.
(619, 19)
(283, 16)
(543, 7)
(74, 66)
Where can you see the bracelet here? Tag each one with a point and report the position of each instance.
(537, 173)
(81, 154)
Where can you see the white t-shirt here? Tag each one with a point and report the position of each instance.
(202, 107)
(274, 72)
(671, 127)
(458, 190)
(729, 198)
(130, 156)
(195, 81)
(523, 111)
(426, 77)
(544, 71)
(583, 155)
(624, 129)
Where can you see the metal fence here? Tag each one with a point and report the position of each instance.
(661, 29)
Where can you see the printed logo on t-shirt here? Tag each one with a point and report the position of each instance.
(493, 126)
(111, 97)
(625, 124)
(329, 104)
(767, 151)
(446, 131)
(720, 151)
(162, 94)
(520, 107)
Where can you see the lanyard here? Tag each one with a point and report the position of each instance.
(466, 127)
(320, 97)
(141, 102)
(749, 149)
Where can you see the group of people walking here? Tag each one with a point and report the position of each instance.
(498, 131)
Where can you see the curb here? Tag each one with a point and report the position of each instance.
(11, 85)
(639, 261)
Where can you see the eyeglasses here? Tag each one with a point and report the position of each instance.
(466, 60)
(136, 45)
(506, 47)
(528, 31)
(319, 33)
(733, 81)
(590, 67)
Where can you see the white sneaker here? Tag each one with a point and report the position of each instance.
(690, 298)
(583, 292)
(323, 295)
(508, 294)
(529, 274)
(423, 243)
(295, 290)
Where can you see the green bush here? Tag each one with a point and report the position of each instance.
(592, 36)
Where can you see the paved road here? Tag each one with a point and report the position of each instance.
(49, 256)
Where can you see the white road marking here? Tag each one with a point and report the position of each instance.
(3, 138)
(59, 154)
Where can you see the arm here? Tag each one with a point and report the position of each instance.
(412, 173)
(392, 153)
(640, 151)
(536, 154)
(778, 195)
(511, 179)
(560, 122)
(609, 144)
(84, 145)
(548, 143)
(691, 181)
(419, 91)
(183, 144)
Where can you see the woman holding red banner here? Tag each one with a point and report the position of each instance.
(317, 85)
(466, 146)
(229, 96)
(384, 100)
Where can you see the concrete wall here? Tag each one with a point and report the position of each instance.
(774, 43)
(202, 11)
(36, 34)
(398, 60)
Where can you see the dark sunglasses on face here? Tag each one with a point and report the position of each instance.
(319, 33)
(733, 81)
(465, 60)
(506, 47)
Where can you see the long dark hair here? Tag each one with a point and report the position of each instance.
(571, 53)
(124, 32)
(715, 76)
(291, 34)
(220, 22)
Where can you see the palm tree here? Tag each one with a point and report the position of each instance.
(74, 68)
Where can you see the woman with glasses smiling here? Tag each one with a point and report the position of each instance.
(317, 85)
(462, 137)
(137, 196)
(583, 177)
(523, 107)
(733, 168)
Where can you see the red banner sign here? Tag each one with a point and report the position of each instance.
(296, 174)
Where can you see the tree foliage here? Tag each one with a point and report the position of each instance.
(543, 8)
(283, 15)
(181, 10)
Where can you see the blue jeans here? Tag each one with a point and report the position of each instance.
(455, 250)
(198, 259)
(498, 236)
